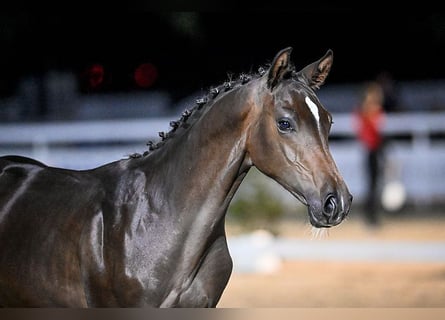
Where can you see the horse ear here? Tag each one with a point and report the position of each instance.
(315, 73)
(280, 67)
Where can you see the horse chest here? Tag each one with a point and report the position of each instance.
(203, 285)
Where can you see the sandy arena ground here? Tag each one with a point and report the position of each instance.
(347, 284)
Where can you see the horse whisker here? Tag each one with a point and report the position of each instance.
(319, 233)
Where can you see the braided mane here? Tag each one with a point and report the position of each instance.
(205, 100)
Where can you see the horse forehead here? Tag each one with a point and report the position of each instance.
(299, 97)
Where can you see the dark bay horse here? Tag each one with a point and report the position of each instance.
(149, 230)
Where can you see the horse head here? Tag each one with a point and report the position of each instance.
(289, 140)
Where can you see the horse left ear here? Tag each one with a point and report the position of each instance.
(279, 68)
(315, 74)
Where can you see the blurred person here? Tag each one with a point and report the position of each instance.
(390, 92)
(369, 119)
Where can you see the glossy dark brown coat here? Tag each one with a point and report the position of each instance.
(150, 230)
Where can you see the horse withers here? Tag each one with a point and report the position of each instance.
(149, 230)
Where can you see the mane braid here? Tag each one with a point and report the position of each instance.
(210, 96)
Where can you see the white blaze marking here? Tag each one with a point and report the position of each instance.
(314, 109)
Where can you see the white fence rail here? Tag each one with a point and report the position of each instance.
(84, 145)
(419, 125)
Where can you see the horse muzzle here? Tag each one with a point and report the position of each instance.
(331, 211)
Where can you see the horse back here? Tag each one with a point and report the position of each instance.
(20, 159)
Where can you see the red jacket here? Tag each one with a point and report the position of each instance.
(368, 128)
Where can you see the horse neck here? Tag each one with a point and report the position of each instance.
(201, 168)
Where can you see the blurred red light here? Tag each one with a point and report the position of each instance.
(95, 75)
(92, 77)
(145, 75)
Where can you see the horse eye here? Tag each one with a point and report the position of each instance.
(284, 125)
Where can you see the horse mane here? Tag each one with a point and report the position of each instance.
(187, 119)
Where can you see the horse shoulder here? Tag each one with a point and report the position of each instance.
(104, 247)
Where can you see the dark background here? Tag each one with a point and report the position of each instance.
(194, 50)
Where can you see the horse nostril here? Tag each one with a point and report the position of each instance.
(330, 206)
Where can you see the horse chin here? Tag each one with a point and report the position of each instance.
(315, 222)
(318, 221)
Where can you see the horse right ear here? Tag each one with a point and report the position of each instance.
(315, 74)
(280, 67)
